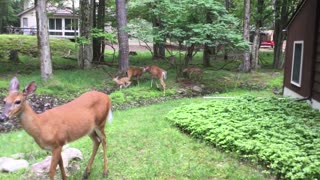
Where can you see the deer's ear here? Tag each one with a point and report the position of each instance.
(30, 88)
(14, 85)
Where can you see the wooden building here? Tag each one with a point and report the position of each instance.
(302, 58)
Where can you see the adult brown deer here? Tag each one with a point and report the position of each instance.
(159, 73)
(85, 115)
(135, 72)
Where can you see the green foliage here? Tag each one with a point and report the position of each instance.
(62, 50)
(283, 134)
(141, 29)
(28, 46)
(141, 145)
(8, 13)
(98, 33)
(187, 22)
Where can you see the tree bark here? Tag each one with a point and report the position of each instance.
(257, 35)
(246, 65)
(281, 18)
(122, 35)
(85, 49)
(189, 55)
(14, 56)
(228, 4)
(159, 51)
(43, 40)
(99, 42)
(3, 13)
(208, 52)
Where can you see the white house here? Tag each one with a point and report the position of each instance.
(62, 22)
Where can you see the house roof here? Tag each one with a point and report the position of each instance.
(51, 10)
(60, 12)
(26, 11)
(299, 7)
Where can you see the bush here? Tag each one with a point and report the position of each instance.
(283, 134)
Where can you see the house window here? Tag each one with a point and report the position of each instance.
(25, 22)
(71, 24)
(297, 60)
(55, 24)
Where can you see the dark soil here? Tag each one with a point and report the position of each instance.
(41, 103)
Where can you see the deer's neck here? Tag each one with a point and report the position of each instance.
(30, 121)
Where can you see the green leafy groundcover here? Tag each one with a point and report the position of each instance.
(283, 134)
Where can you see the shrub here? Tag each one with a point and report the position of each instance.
(280, 133)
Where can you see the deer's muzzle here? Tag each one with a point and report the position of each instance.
(3, 118)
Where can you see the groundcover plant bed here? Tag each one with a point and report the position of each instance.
(280, 133)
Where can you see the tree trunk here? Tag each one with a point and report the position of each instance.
(227, 4)
(122, 35)
(156, 53)
(246, 65)
(3, 14)
(158, 46)
(43, 39)
(189, 54)
(85, 49)
(162, 50)
(281, 18)
(256, 38)
(99, 42)
(207, 51)
(255, 49)
(14, 56)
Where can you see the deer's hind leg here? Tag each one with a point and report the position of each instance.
(102, 136)
(96, 143)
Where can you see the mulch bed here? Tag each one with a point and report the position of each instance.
(41, 103)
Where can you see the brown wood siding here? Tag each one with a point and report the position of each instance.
(316, 84)
(303, 28)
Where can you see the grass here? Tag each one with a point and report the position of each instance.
(142, 145)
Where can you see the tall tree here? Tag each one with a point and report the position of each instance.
(98, 23)
(43, 39)
(122, 35)
(246, 65)
(159, 42)
(8, 13)
(258, 18)
(283, 10)
(4, 5)
(208, 51)
(85, 49)
(227, 4)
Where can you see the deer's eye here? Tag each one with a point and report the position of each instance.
(4, 102)
(17, 102)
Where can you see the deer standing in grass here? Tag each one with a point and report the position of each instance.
(159, 73)
(135, 72)
(122, 82)
(85, 115)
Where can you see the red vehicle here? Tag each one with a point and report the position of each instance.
(267, 39)
(267, 43)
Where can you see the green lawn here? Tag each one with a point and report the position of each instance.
(143, 145)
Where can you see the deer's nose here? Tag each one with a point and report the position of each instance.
(3, 118)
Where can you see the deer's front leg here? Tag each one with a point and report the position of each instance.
(56, 158)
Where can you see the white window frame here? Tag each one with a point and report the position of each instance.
(25, 22)
(63, 30)
(301, 63)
